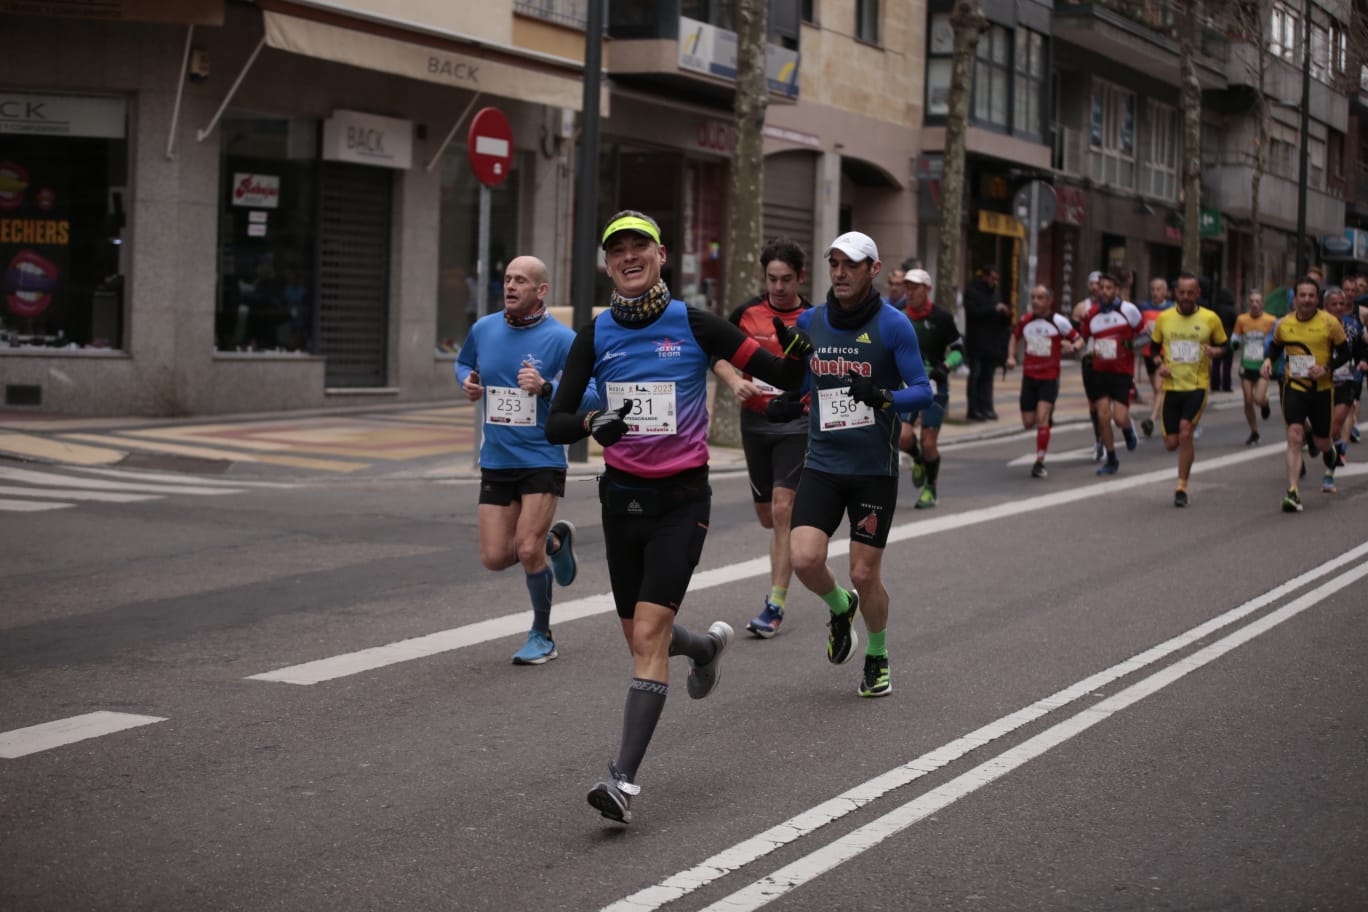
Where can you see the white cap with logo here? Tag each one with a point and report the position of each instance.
(855, 245)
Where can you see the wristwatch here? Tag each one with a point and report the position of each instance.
(546, 389)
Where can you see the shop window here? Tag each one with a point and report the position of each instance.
(458, 298)
(1111, 136)
(63, 179)
(268, 226)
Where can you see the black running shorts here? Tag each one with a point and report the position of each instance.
(500, 487)
(1108, 385)
(868, 501)
(1182, 405)
(1035, 391)
(1316, 405)
(1346, 392)
(651, 558)
(773, 461)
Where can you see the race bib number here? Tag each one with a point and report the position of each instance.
(1252, 346)
(1299, 366)
(1185, 351)
(510, 406)
(1039, 346)
(1105, 349)
(765, 388)
(836, 411)
(653, 407)
(1344, 373)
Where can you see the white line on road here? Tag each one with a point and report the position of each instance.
(173, 478)
(24, 741)
(747, 851)
(67, 481)
(31, 506)
(812, 866)
(432, 644)
(105, 496)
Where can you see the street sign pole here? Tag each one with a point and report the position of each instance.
(1034, 206)
(482, 304)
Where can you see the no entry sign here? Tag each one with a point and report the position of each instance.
(490, 147)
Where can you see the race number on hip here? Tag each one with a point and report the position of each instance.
(510, 406)
(653, 407)
(836, 411)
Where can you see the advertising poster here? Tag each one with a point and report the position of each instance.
(35, 242)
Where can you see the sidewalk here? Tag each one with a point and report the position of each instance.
(427, 440)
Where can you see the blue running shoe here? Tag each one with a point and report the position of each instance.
(1131, 440)
(564, 566)
(1109, 467)
(538, 650)
(767, 623)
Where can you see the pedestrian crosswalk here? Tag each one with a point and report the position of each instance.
(31, 490)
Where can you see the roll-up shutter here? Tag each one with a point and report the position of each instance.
(790, 182)
(353, 273)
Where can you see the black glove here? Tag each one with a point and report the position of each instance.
(793, 343)
(939, 373)
(785, 407)
(862, 389)
(608, 427)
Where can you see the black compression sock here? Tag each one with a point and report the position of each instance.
(1331, 458)
(645, 702)
(697, 646)
(932, 471)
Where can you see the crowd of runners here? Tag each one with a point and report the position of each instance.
(832, 396)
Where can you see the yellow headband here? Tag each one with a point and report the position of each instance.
(631, 223)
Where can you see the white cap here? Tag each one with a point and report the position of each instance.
(919, 277)
(1093, 277)
(855, 245)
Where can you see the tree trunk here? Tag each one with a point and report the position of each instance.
(1192, 143)
(969, 23)
(747, 192)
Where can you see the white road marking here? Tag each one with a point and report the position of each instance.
(432, 644)
(174, 478)
(31, 506)
(756, 847)
(24, 741)
(106, 496)
(50, 480)
(1081, 455)
(808, 868)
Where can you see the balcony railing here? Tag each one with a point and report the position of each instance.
(574, 13)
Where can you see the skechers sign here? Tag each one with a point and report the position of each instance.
(368, 139)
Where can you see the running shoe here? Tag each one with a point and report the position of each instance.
(1328, 483)
(613, 798)
(703, 678)
(1354, 434)
(564, 567)
(538, 650)
(918, 473)
(1131, 440)
(1291, 501)
(1038, 470)
(1265, 410)
(766, 623)
(874, 681)
(1253, 439)
(927, 500)
(841, 637)
(1109, 467)
(1312, 450)
(1180, 498)
(1147, 426)
(1099, 451)
(1341, 453)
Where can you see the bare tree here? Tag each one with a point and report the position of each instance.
(1192, 138)
(747, 187)
(969, 23)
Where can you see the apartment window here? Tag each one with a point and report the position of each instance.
(1111, 139)
(1282, 150)
(1282, 37)
(1029, 71)
(992, 76)
(1315, 172)
(867, 20)
(1339, 49)
(809, 10)
(939, 58)
(1161, 165)
(1320, 53)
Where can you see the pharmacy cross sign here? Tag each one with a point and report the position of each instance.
(490, 147)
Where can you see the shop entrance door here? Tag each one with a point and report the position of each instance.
(353, 273)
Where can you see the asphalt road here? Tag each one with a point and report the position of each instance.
(1100, 702)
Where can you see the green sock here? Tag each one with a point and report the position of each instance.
(838, 600)
(777, 596)
(878, 643)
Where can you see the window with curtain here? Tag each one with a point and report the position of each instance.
(1029, 73)
(992, 76)
(1161, 164)
(1111, 135)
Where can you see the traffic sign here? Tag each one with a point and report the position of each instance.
(489, 145)
(1044, 205)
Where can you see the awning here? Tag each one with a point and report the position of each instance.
(428, 57)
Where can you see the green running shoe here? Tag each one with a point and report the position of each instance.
(874, 681)
(927, 500)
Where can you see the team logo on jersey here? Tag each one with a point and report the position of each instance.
(862, 337)
(869, 526)
(531, 360)
(668, 348)
(609, 356)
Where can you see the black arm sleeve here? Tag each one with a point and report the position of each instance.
(722, 340)
(1340, 355)
(565, 424)
(735, 320)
